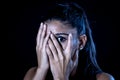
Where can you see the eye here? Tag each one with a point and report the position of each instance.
(61, 39)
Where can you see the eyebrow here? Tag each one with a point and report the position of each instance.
(61, 34)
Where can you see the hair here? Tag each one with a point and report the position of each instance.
(75, 16)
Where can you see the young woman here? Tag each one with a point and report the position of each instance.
(65, 48)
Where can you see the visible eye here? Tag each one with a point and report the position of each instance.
(61, 39)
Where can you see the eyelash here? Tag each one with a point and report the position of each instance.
(61, 39)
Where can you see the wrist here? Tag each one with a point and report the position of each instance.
(61, 78)
(43, 68)
(40, 74)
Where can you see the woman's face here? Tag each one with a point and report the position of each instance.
(61, 32)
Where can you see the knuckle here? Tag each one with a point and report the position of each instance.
(59, 49)
(61, 57)
(49, 55)
(38, 48)
(56, 60)
(53, 49)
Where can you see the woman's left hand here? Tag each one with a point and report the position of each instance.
(60, 60)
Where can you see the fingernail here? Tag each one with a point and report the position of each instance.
(44, 26)
(51, 34)
(70, 35)
(41, 24)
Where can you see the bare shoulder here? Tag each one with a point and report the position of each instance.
(104, 76)
(30, 73)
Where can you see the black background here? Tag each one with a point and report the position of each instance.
(23, 21)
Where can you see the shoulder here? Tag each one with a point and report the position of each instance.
(30, 73)
(104, 76)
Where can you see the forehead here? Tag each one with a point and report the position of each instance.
(56, 26)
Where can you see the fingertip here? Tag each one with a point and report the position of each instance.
(41, 23)
(70, 36)
(50, 32)
(52, 36)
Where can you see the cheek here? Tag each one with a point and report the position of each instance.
(74, 43)
(75, 47)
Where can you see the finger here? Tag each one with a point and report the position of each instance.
(57, 46)
(39, 34)
(43, 34)
(43, 50)
(68, 49)
(53, 49)
(46, 40)
(49, 53)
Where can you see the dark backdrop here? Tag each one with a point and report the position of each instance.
(23, 18)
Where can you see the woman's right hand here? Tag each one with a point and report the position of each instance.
(43, 64)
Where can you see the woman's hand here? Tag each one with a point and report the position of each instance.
(60, 60)
(42, 58)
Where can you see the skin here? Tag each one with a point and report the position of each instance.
(57, 48)
(60, 57)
